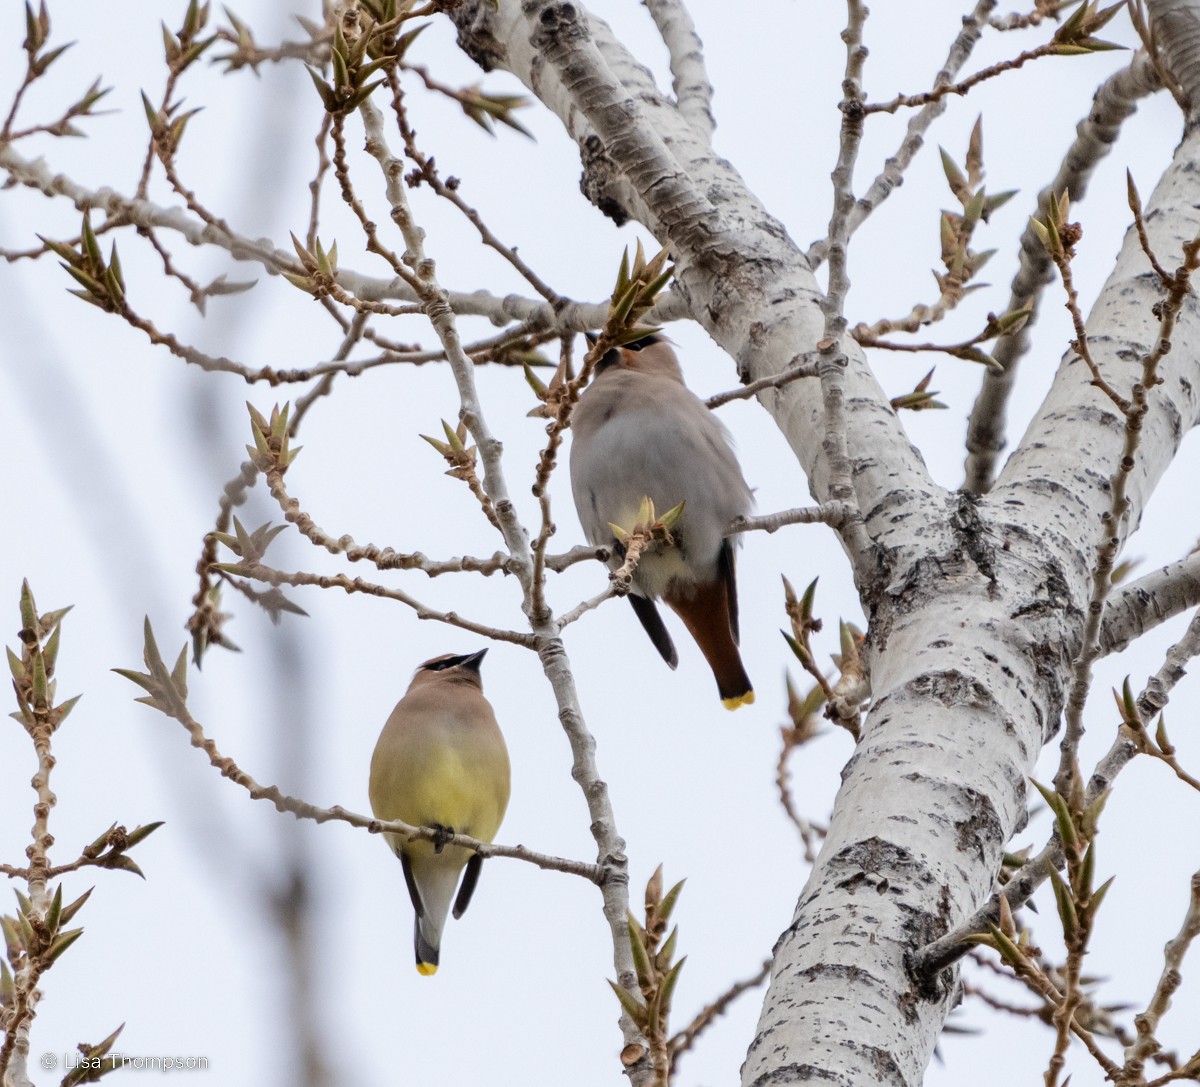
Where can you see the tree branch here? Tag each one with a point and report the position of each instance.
(1134, 609)
(914, 138)
(1113, 103)
(693, 92)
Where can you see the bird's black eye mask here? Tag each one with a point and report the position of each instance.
(469, 660)
(612, 357)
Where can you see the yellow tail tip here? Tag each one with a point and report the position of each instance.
(426, 969)
(737, 700)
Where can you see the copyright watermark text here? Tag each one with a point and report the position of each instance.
(125, 1060)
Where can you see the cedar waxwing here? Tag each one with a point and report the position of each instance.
(440, 762)
(640, 432)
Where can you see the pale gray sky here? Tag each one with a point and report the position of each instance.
(116, 452)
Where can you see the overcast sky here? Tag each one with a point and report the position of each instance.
(115, 454)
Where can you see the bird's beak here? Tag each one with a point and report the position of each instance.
(591, 338)
(473, 661)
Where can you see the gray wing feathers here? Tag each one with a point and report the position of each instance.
(639, 435)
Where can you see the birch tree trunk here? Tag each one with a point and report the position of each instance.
(976, 604)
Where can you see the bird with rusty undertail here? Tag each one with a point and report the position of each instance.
(639, 432)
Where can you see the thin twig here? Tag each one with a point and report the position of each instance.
(693, 92)
(268, 575)
(175, 707)
(610, 846)
(426, 172)
(1147, 1044)
(914, 137)
(1111, 519)
(939, 92)
(683, 1040)
(831, 363)
(1114, 101)
(835, 514)
(772, 381)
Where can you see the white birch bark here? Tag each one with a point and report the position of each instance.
(975, 605)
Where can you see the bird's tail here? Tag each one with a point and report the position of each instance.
(705, 612)
(426, 943)
(434, 877)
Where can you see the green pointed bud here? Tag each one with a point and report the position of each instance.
(669, 519)
(33, 38)
(29, 939)
(808, 600)
(1009, 952)
(623, 305)
(654, 887)
(141, 833)
(303, 282)
(1131, 193)
(54, 913)
(954, 176)
(847, 640)
(66, 707)
(1098, 895)
(1087, 871)
(632, 1007)
(667, 952)
(1007, 924)
(328, 97)
(655, 285)
(154, 659)
(14, 947)
(341, 77)
(801, 653)
(1007, 324)
(101, 1048)
(641, 959)
(41, 697)
(973, 210)
(61, 943)
(99, 843)
(279, 420)
(441, 447)
(71, 256)
(629, 335)
(1129, 704)
(90, 245)
(998, 201)
(1160, 736)
(361, 95)
(668, 986)
(623, 279)
(179, 673)
(70, 911)
(669, 901)
(120, 862)
(538, 386)
(1073, 24)
(141, 680)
